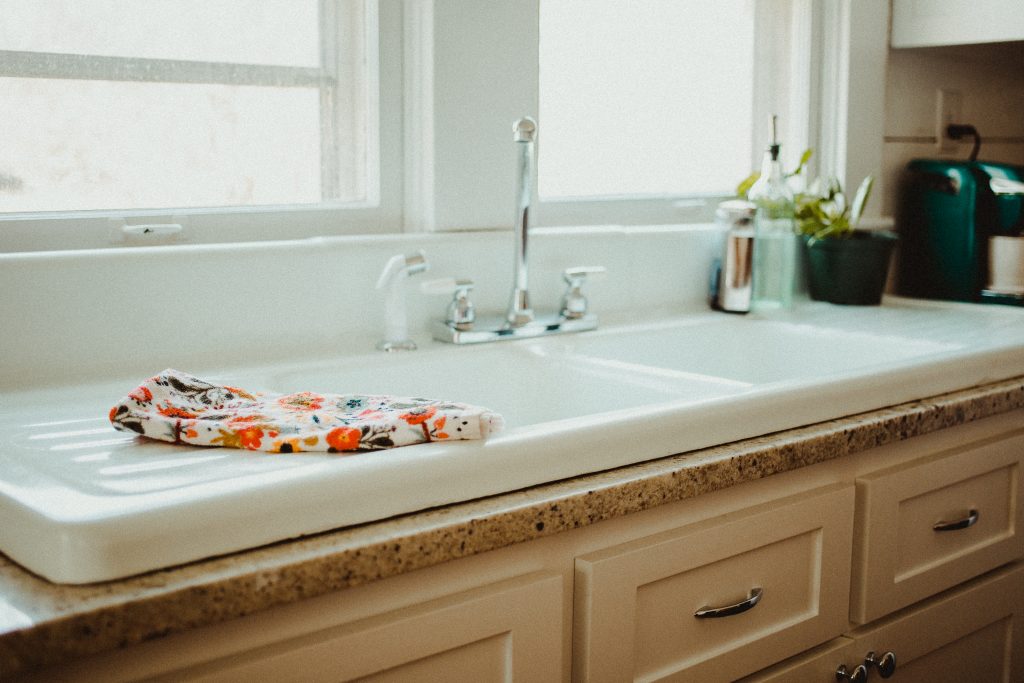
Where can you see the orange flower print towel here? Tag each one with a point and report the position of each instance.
(176, 407)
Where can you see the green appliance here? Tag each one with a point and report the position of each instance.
(947, 212)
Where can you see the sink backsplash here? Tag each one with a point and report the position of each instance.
(84, 315)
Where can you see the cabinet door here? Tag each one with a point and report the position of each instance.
(923, 23)
(900, 557)
(637, 604)
(974, 633)
(970, 634)
(507, 631)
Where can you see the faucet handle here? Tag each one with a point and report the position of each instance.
(577, 275)
(574, 304)
(460, 314)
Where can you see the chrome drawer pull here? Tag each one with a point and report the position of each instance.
(970, 520)
(858, 675)
(738, 608)
(885, 663)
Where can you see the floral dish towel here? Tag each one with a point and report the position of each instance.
(176, 407)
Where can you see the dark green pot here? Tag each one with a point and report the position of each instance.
(849, 270)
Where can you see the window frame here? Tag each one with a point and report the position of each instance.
(510, 89)
(843, 45)
(792, 30)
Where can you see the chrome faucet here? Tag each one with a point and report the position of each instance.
(524, 133)
(519, 322)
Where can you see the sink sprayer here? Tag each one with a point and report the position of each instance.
(396, 323)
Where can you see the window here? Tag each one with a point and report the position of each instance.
(176, 109)
(277, 119)
(631, 96)
(648, 112)
(665, 103)
(124, 104)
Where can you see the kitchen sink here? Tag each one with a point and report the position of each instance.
(82, 502)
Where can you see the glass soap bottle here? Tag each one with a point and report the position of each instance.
(775, 242)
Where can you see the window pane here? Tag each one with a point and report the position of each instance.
(78, 144)
(638, 98)
(280, 32)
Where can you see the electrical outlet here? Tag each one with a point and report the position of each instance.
(948, 109)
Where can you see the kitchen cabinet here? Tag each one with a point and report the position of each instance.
(920, 531)
(924, 524)
(841, 556)
(509, 629)
(972, 633)
(716, 599)
(926, 23)
(817, 664)
(481, 635)
(929, 524)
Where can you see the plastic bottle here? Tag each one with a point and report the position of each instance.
(775, 241)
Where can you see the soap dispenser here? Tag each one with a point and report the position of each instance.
(775, 242)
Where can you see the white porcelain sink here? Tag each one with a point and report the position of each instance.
(744, 350)
(523, 383)
(81, 502)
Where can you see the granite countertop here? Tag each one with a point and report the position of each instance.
(43, 623)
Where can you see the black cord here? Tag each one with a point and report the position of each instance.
(958, 130)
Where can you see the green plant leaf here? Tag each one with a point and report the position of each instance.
(744, 187)
(860, 199)
(804, 158)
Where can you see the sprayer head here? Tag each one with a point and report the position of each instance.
(402, 264)
(416, 263)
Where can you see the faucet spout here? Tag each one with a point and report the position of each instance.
(461, 325)
(524, 133)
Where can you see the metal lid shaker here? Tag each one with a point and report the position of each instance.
(735, 281)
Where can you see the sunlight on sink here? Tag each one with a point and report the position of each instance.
(747, 351)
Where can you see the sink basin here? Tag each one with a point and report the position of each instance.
(82, 502)
(525, 385)
(747, 351)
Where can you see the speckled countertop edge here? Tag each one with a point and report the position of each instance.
(43, 623)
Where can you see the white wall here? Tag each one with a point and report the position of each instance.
(991, 80)
(122, 313)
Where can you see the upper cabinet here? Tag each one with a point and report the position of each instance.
(925, 23)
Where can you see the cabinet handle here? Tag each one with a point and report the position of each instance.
(858, 675)
(970, 520)
(886, 663)
(728, 611)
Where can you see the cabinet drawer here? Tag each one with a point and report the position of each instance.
(902, 554)
(509, 630)
(636, 604)
(818, 664)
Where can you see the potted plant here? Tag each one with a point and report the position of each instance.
(845, 265)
